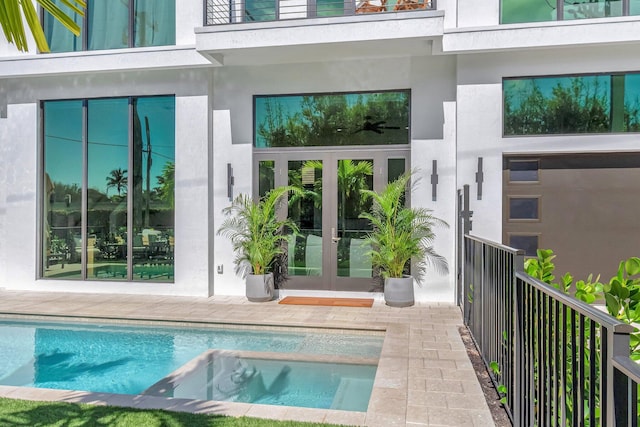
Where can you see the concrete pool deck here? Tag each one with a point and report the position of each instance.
(424, 375)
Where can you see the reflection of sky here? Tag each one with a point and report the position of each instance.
(290, 105)
(108, 134)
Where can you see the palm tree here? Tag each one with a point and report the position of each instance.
(117, 178)
(11, 15)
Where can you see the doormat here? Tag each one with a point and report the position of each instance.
(331, 302)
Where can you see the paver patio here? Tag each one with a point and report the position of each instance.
(424, 376)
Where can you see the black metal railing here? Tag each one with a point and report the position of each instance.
(562, 361)
(489, 274)
(235, 11)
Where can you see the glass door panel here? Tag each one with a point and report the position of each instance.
(305, 249)
(352, 256)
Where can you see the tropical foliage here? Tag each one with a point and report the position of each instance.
(401, 233)
(167, 183)
(255, 230)
(13, 11)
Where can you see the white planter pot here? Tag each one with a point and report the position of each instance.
(260, 287)
(398, 292)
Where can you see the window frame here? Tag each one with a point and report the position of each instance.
(41, 188)
(611, 75)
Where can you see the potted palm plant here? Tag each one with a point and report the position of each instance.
(256, 234)
(400, 234)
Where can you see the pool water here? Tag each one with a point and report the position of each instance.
(273, 379)
(130, 359)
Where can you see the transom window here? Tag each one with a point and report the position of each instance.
(114, 24)
(598, 103)
(108, 189)
(371, 118)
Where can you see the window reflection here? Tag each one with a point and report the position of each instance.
(557, 105)
(517, 11)
(117, 135)
(62, 189)
(108, 25)
(380, 118)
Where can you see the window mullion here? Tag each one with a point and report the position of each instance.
(130, 191)
(560, 9)
(85, 182)
(132, 19)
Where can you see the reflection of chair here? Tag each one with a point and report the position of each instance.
(371, 6)
(359, 259)
(313, 255)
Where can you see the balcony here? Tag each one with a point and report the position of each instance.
(247, 32)
(219, 12)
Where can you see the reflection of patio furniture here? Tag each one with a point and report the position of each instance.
(359, 259)
(140, 250)
(371, 6)
(313, 255)
(411, 4)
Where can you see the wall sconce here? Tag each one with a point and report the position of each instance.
(230, 182)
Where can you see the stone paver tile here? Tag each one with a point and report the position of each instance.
(445, 386)
(380, 419)
(458, 374)
(435, 373)
(465, 401)
(453, 355)
(267, 411)
(427, 399)
(450, 417)
(381, 394)
(444, 364)
(417, 383)
(306, 414)
(387, 406)
(345, 418)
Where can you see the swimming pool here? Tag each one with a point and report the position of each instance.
(130, 359)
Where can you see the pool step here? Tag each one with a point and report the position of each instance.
(352, 394)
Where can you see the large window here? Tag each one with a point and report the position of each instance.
(99, 220)
(373, 118)
(516, 11)
(572, 104)
(113, 24)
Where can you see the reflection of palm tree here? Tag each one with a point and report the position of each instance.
(167, 182)
(352, 178)
(117, 178)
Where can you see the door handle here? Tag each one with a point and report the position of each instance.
(334, 238)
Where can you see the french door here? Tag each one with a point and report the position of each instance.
(329, 252)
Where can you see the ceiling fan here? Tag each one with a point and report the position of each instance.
(377, 127)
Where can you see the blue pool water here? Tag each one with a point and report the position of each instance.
(129, 359)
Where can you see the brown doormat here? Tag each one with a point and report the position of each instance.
(331, 302)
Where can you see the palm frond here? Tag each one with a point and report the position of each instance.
(401, 233)
(11, 16)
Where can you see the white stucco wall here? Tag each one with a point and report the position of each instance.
(479, 98)
(431, 80)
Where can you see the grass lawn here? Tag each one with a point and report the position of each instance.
(40, 414)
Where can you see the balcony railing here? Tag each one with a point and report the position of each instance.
(237, 11)
(561, 361)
